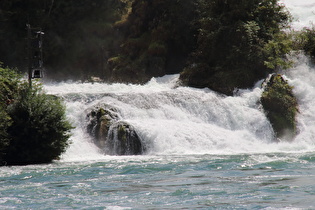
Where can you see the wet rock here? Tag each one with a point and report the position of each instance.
(281, 107)
(100, 119)
(111, 134)
(124, 140)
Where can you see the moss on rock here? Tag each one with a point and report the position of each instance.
(124, 140)
(99, 121)
(111, 134)
(281, 107)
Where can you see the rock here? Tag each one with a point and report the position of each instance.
(111, 134)
(99, 121)
(123, 140)
(281, 107)
(224, 81)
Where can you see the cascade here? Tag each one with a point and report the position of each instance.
(183, 120)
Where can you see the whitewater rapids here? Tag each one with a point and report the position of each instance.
(181, 120)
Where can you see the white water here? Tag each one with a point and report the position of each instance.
(194, 121)
(190, 121)
(303, 12)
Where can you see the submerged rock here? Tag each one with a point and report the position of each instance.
(111, 134)
(281, 107)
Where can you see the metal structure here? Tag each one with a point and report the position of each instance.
(35, 53)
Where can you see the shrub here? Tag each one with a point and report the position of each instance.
(35, 129)
(281, 107)
(9, 81)
(4, 124)
(305, 40)
(9, 84)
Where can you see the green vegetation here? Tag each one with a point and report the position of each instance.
(281, 107)
(158, 37)
(79, 35)
(220, 44)
(111, 134)
(305, 40)
(9, 81)
(223, 45)
(124, 140)
(239, 42)
(33, 127)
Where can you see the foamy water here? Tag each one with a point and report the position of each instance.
(181, 120)
(303, 12)
(205, 151)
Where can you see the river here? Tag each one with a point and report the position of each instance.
(205, 150)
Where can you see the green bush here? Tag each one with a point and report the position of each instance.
(9, 84)
(281, 107)
(35, 129)
(9, 81)
(305, 40)
(4, 137)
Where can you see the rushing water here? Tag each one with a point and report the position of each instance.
(244, 181)
(204, 151)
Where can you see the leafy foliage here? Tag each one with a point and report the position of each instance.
(228, 44)
(34, 128)
(9, 85)
(9, 81)
(79, 35)
(281, 106)
(236, 39)
(305, 40)
(158, 40)
(4, 137)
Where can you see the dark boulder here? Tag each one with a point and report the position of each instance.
(281, 107)
(124, 140)
(100, 119)
(111, 134)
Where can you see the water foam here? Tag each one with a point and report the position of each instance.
(302, 12)
(194, 121)
(186, 120)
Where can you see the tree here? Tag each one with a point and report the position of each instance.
(232, 43)
(305, 40)
(158, 40)
(79, 37)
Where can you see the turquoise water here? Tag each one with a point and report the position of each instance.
(205, 151)
(248, 181)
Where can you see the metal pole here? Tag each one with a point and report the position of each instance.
(29, 52)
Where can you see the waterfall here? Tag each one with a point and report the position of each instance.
(183, 120)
